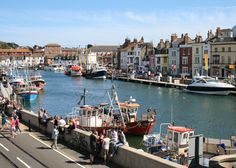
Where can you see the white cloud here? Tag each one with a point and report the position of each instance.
(147, 18)
(72, 28)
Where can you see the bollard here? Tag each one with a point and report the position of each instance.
(29, 126)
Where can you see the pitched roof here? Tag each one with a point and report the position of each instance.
(104, 48)
(52, 45)
(18, 50)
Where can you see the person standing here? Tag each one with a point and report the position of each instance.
(105, 147)
(93, 146)
(4, 121)
(13, 127)
(17, 122)
(55, 134)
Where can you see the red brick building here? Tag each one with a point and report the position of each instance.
(185, 54)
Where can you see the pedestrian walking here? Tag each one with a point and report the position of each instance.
(55, 134)
(17, 122)
(13, 127)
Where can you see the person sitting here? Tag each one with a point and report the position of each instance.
(72, 125)
(121, 142)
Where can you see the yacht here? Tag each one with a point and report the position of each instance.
(99, 72)
(209, 85)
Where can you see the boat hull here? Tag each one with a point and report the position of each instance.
(29, 95)
(76, 74)
(99, 74)
(139, 127)
(209, 90)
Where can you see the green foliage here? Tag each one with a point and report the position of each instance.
(89, 46)
(4, 45)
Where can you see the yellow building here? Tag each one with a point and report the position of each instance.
(223, 53)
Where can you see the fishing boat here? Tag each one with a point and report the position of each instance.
(29, 94)
(68, 69)
(176, 143)
(76, 70)
(115, 114)
(134, 125)
(209, 85)
(26, 90)
(38, 81)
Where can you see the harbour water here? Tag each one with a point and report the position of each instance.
(212, 116)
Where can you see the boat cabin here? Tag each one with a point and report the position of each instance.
(130, 110)
(93, 116)
(178, 138)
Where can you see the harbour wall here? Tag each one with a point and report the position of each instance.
(126, 156)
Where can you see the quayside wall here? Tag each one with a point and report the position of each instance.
(126, 156)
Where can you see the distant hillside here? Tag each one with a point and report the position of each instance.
(4, 45)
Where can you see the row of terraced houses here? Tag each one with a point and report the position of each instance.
(181, 55)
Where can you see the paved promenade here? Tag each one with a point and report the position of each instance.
(32, 150)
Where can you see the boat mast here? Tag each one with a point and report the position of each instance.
(114, 97)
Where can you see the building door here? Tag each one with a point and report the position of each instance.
(222, 72)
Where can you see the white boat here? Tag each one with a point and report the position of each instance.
(99, 72)
(209, 85)
(175, 143)
(54, 67)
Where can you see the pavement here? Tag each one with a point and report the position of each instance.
(32, 149)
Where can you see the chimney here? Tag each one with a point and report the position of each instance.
(218, 32)
(162, 44)
(173, 37)
(186, 38)
(167, 44)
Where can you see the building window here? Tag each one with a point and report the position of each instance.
(223, 49)
(197, 60)
(185, 61)
(188, 51)
(215, 71)
(158, 60)
(216, 59)
(229, 49)
(165, 60)
(229, 59)
(173, 53)
(183, 51)
(173, 62)
(185, 70)
(222, 59)
(216, 50)
(197, 50)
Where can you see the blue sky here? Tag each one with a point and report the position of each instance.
(74, 23)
